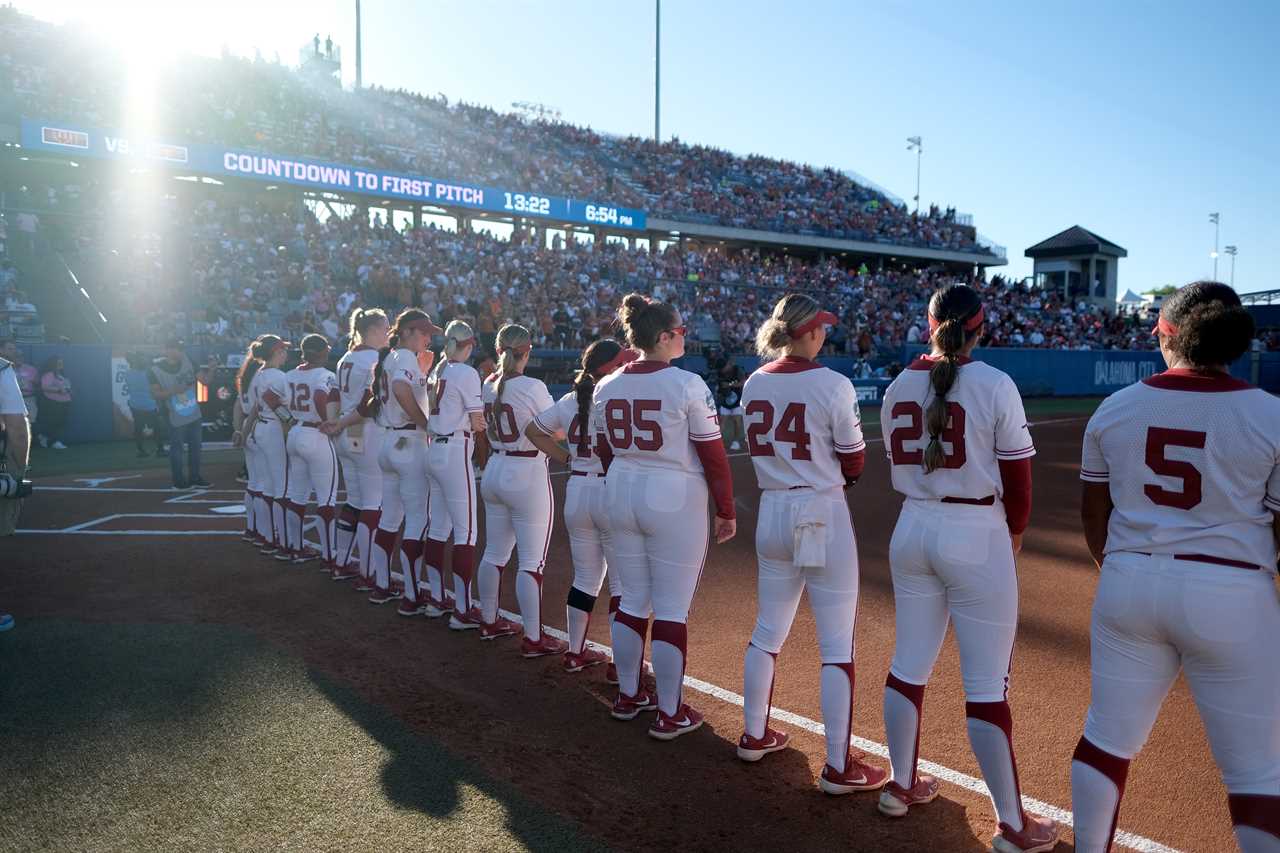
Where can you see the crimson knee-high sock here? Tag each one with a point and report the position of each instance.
(669, 650)
(365, 525)
(293, 526)
(411, 550)
(328, 533)
(990, 727)
(488, 585)
(578, 618)
(529, 594)
(836, 697)
(433, 557)
(464, 567)
(1097, 786)
(278, 532)
(1256, 820)
(902, 711)
(344, 535)
(380, 563)
(628, 650)
(757, 689)
(615, 602)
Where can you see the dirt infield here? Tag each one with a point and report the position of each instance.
(119, 560)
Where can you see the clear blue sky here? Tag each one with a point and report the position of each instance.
(1133, 119)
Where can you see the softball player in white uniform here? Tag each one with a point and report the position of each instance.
(1181, 509)
(661, 426)
(518, 504)
(401, 383)
(313, 462)
(359, 446)
(960, 450)
(804, 434)
(586, 515)
(457, 422)
(242, 437)
(270, 394)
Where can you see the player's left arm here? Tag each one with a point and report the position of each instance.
(327, 399)
(704, 432)
(1095, 498)
(1014, 450)
(846, 433)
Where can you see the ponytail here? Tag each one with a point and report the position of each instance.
(253, 360)
(456, 335)
(513, 341)
(361, 320)
(793, 311)
(955, 319)
(595, 360)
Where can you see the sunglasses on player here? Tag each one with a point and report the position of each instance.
(678, 330)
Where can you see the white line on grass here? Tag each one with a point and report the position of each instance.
(955, 777)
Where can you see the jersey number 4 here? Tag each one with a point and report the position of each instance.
(1159, 439)
(628, 422)
(913, 430)
(791, 430)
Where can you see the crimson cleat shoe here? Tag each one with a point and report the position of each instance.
(545, 645)
(408, 608)
(434, 609)
(499, 628)
(469, 621)
(1038, 835)
(306, 555)
(895, 799)
(755, 748)
(670, 728)
(611, 673)
(629, 707)
(589, 657)
(856, 776)
(342, 573)
(364, 584)
(382, 596)
(284, 555)
(250, 538)
(268, 549)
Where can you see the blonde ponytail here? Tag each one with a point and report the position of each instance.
(513, 341)
(456, 335)
(791, 312)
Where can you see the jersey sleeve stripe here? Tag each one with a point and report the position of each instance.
(1094, 477)
(1000, 452)
(540, 425)
(850, 448)
(1272, 502)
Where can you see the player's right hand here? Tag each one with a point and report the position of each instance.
(330, 428)
(1016, 539)
(725, 529)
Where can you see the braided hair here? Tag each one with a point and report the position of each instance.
(956, 318)
(595, 359)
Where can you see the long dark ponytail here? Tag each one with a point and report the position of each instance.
(253, 359)
(955, 318)
(595, 359)
(403, 319)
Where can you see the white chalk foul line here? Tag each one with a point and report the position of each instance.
(955, 777)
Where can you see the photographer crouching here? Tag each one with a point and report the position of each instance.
(15, 446)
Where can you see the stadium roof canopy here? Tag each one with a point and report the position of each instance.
(1075, 241)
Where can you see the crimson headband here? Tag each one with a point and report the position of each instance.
(1163, 325)
(518, 350)
(624, 356)
(969, 325)
(822, 318)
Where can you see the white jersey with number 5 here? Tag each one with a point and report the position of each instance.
(523, 397)
(986, 425)
(563, 417)
(651, 413)
(1193, 463)
(799, 415)
(310, 390)
(355, 375)
(457, 395)
(400, 365)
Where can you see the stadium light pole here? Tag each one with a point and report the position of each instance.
(1231, 250)
(915, 144)
(1214, 218)
(657, 69)
(358, 56)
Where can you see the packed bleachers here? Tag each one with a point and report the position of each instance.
(64, 74)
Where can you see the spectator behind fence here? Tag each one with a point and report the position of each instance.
(173, 383)
(142, 406)
(27, 375)
(55, 404)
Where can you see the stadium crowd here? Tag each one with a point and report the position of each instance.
(60, 73)
(246, 267)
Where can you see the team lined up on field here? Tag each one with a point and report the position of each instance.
(1168, 512)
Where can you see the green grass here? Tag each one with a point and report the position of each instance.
(103, 456)
(199, 737)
